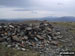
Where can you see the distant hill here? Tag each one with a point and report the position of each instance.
(60, 19)
(50, 18)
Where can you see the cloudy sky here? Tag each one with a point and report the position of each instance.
(36, 8)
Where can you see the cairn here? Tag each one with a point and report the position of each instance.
(21, 36)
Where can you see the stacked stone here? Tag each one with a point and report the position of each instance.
(21, 36)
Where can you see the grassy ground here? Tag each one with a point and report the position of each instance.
(4, 51)
(70, 25)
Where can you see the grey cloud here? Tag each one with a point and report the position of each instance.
(32, 11)
(60, 3)
(21, 10)
(15, 3)
(32, 5)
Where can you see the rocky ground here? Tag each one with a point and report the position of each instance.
(46, 38)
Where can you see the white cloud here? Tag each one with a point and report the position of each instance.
(11, 13)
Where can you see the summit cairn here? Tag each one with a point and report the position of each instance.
(40, 37)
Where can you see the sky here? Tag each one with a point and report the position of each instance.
(36, 8)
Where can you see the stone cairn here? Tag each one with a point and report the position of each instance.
(23, 36)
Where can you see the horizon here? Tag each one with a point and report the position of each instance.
(48, 18)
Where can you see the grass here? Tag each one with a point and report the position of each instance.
(4, 51)
(70, 25)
